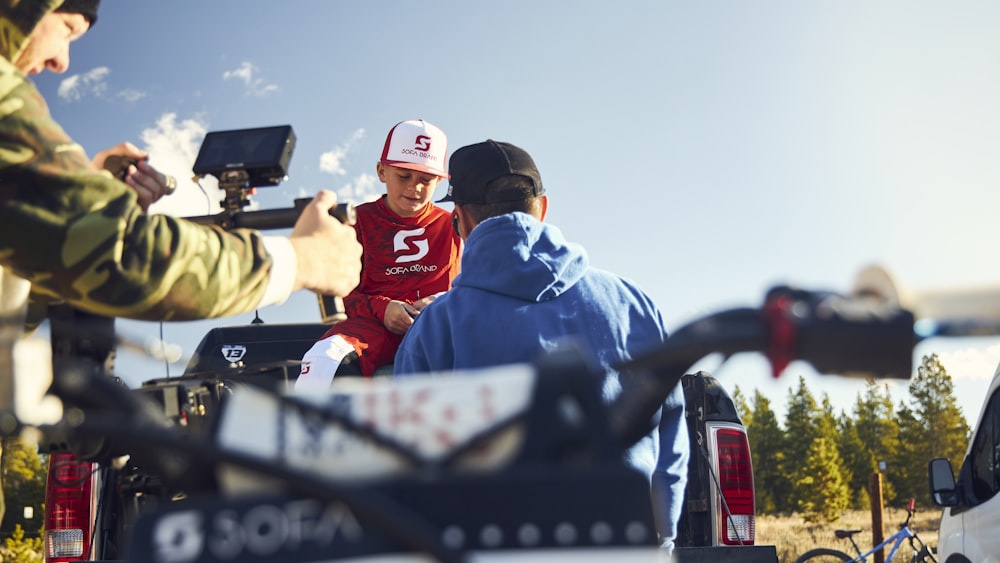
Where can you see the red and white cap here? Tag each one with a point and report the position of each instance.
(417, 145)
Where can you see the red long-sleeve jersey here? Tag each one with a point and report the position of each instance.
(405, 259)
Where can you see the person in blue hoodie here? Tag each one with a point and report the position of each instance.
(524, 289)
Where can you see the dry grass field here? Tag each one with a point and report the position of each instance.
(793, 537)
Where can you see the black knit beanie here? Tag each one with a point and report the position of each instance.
(86, 8)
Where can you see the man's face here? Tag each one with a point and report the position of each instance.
(407, 191)
(48, 44)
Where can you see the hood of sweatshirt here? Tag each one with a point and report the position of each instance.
(519, 256)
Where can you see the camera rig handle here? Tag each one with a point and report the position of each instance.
(237, 189)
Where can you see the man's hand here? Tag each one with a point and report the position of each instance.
(149, 184)
(328, 253)
(399, 316)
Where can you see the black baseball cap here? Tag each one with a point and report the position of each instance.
(473, 167)
(87, 8)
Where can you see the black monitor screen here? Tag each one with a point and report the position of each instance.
(263, 147)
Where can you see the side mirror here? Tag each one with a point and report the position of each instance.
(942, 482)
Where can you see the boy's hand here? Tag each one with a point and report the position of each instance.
(399, 316)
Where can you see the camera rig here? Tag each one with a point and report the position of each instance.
(244, 159)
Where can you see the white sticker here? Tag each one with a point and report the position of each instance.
(233, 352)
(429, 416)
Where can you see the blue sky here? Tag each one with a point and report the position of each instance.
(707, 151)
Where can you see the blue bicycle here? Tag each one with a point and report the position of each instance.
(921, 553)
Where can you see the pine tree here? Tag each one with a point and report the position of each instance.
(826, 419)
(878, 429)
(742, 407)
(933, 396)
(802, 431)
(858, 461)
(821, 491)
(767, 445)
(909, 473)
(800, 414)
(932, 426)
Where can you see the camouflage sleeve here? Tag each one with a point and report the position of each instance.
(78, 233)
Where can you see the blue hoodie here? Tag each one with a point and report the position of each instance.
(524, 290)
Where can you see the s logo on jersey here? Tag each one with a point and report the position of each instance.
(415, 250)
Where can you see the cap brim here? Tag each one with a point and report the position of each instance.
(417, 168)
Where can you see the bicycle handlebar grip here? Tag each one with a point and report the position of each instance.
(853, 336)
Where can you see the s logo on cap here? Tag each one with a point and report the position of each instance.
(417, 145)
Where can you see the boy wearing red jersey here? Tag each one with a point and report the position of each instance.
(411, 254)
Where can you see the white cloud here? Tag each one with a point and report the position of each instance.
(974, 364)
(131, 95)
(244, 72)
(173, 147)
(255, 86)
(69, 88)
(364, 188)
(332, 161)
(93, 82)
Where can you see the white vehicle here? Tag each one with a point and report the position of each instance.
(970, 524)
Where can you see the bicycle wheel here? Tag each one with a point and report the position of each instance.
(823, 555)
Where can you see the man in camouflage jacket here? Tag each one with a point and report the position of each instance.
(70, 231)
(77, 233)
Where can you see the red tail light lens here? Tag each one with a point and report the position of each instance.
(68, 509)
(736, 481)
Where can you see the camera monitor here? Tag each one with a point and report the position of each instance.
(263, 153)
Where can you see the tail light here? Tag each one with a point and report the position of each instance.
(736, 502)
(68, 509)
